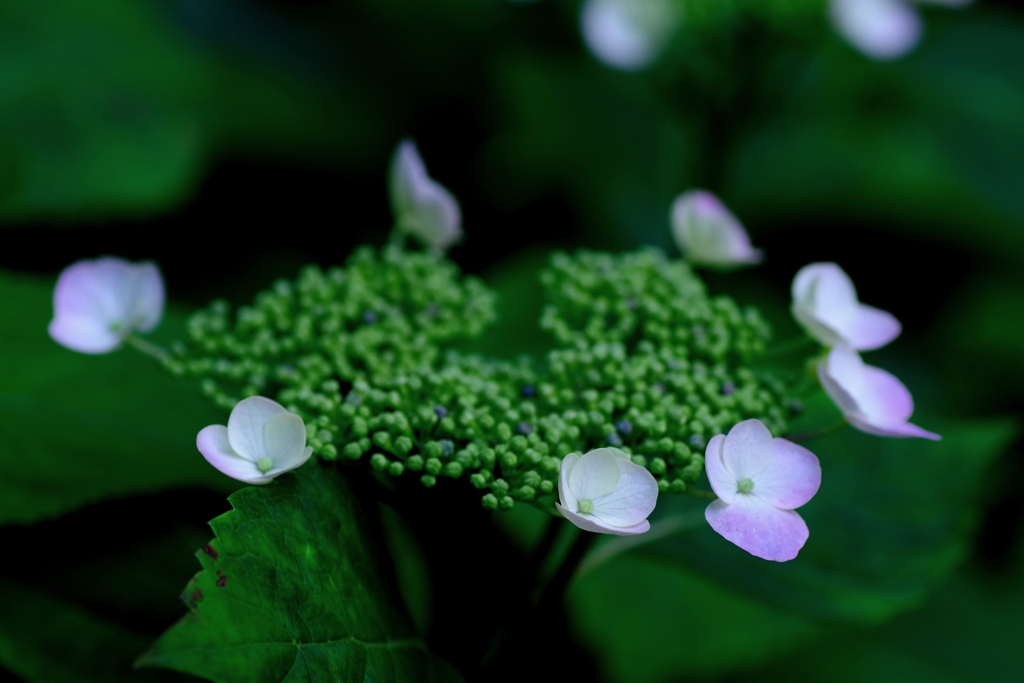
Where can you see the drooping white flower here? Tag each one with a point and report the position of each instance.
(98, 303)
(825, 303)
(760, 481)
(422, 207)
(882, 29)
(605, 492)
(261, 441)
(870, 398)
(708, 234)
(628, 35)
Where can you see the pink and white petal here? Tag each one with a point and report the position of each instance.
(843, 399)
(723, 483)
(870, 328)
(85, 334)
(293, 464)
(284, 437)
(93, 289)
(747, 450)
(245, 426)
(567, 497)
(588, 523)
(149, 296)
(845, 366)
(883, 398)
(633, 499)
(213, 443)
(898, 430)
(880, 29)
(792, 479)
(406, 173)
(820, 331)
(825, 290)
(758, 528)
(596, 474)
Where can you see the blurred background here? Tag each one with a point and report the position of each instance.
(234, 141)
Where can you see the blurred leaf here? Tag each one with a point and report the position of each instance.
(891, 519)
(649, 620)
(292, 589)
(76, 429)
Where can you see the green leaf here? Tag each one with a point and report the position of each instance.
(292, 589)
(76, 429)
(891, 520)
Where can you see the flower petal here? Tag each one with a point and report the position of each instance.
(842, 377)
(213, 443)
(149, 296)
(632, 500)
(747, 450)
(895, 430)
(84, 334)
(880, 29)
(792, 479)
(708, 233)
(246, 424)
(588, 523)
(596, 474)
(423, 207)
(627, 34)
(758, 528)
(284, 437)
(565, 494)
(723, 483)
(292, 464)
(870, 328)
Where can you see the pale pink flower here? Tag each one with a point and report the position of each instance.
(607, 493)
(708, 234)
(422, 207)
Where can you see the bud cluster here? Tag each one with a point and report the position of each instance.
(645, 361)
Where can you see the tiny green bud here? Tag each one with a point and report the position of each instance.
(395, 469)
(382, 439)
(359, 427)
(508, 461)
(428, 480)
(640, 460)
(506, 503)
(525, 493)
(453, 469)
(678, 486)
(745, 485)
(663, 486)
(330, 451)
(658, 466)
(433, 466)
(415, 463)
(264, 464)
(547, 486)
(586, 506)
(489, 502)
(499, 487)
(352, 451)
(403, 445)
(379, 462)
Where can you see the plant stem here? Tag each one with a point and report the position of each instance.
(554, 590)
(697, 493)
(805, 436)
(148, 348)
(789, 346)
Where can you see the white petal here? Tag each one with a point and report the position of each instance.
(588, 523)
(149, 296)
(295, 463)
(747, 450)
(632, 500)
(723, 483)
(284, 436)
(870, 328)
(213, 443)
(708, 234)
(880, 29)
(596, 474)
(565, 494)
(246, 424)
(423, 208)
(84, 334)
(627, 34)
(792, 479)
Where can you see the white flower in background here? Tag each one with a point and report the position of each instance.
(422, 207)
(882, 29)
(98, 303)
(261, 441)
(605, 492)
(870, 398)
(627, 34)
(825, 303)
(708, 234)
(759, 482)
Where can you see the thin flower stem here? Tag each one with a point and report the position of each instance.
(789, 346)
(697, 493)
(805, 436)
(148, 348)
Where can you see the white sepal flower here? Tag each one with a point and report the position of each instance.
(825, 303)
(628, 35)
(605, 492)
(879, 29)
(759, 481)
(261, 441)
(708, 234)
(98, 303)
(422, 207)
(871, 399)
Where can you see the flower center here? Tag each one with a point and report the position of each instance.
(586, 506)
(745, 485)
(264, 464)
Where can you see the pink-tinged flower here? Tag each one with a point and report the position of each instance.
(98, 303)
(422, 207)
(261, 441)
(628, 35)
(880, 29)
(708, 234)
(825, 303)
(605, 492)
(870, 398)
(759, 482)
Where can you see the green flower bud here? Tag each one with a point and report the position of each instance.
(414, 463)
(433, 466)
(453, 469)
(428, 480)
(489, 502)
(506, 503)
(379, 462)
(395, 469)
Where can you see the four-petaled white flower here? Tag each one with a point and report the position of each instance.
(261, 441)
(870, 398)
(882, 29)
(825, 303)
(760, 481)
(98, 303)
(628, 35)
(605, 492)
(708, 234)
(422, 207)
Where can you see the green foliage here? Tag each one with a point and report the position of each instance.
(292, 590)
(76, 429)
(645, 361)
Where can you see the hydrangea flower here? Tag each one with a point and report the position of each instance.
(882, 29)
(760, 481)
(708, 234)
(98, 303)
(261, 441)
(422, 207)
(605, 492)
(628, 35)
(825, 303)
(871, 399)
